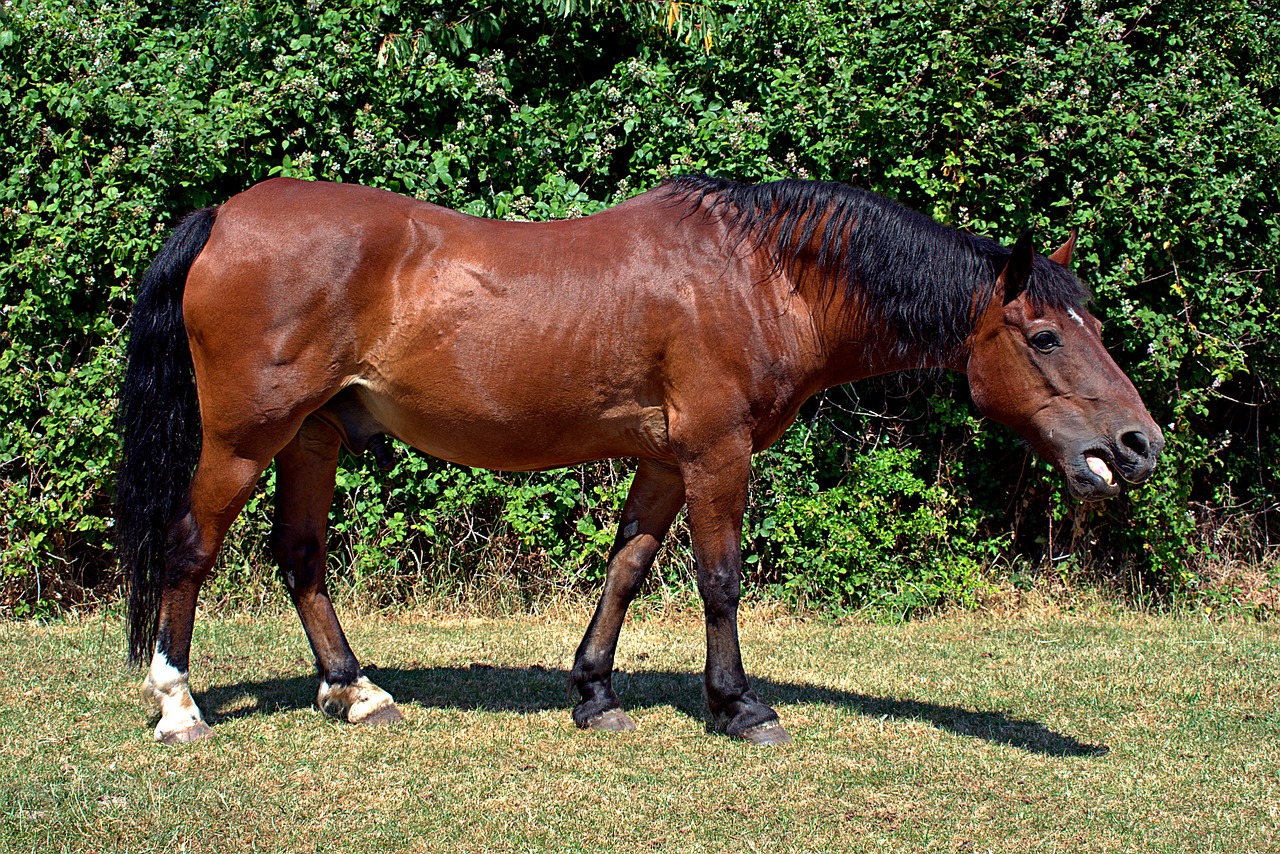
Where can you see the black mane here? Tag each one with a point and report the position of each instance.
(919, 277)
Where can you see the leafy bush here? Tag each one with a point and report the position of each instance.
(880, 537)
(1151, 126)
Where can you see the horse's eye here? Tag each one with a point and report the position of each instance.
(1045, 341)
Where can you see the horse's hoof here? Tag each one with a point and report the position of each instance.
(198, 731)
(382, 716)
(359, 702)
(766, 735)
(613, 720)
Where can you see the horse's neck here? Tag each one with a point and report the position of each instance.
(858, 344)
(926, 283)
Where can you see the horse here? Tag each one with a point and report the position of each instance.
(683, 327)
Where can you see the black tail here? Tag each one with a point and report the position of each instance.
(159, 426)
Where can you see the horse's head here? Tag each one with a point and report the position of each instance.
(1043, 372)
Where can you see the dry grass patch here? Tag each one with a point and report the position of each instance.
(1038, 732)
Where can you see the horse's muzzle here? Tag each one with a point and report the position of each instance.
(1098, 469)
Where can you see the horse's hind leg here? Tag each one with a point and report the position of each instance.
(305, 472)
(221, 485)
(656, 495)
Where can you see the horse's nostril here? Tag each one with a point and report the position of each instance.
(1136, 441)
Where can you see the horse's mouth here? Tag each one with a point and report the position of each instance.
(1099, 467)
(1095, 475)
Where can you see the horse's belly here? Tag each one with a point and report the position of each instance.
(512, 438)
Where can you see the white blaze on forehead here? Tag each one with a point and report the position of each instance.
(1071, 312)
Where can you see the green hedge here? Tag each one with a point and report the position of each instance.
(1152, 126)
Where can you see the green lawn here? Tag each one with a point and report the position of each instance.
(1030, 732)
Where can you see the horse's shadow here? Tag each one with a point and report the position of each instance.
(534, 689)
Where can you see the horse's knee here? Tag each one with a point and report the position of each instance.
(629, 578)
(629, 562)
(720, 591)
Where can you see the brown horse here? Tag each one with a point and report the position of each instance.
(684, 327)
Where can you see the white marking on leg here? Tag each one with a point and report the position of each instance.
(163, 674)
(165, 689)
(352, 703)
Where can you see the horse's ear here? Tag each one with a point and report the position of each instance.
(1063, 253)
(1018, 270)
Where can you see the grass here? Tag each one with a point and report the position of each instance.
(1031, 732)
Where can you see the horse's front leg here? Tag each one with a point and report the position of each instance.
(716, 493)
(656, 495)
(305, 472)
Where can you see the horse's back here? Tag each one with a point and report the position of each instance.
(294, 241)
